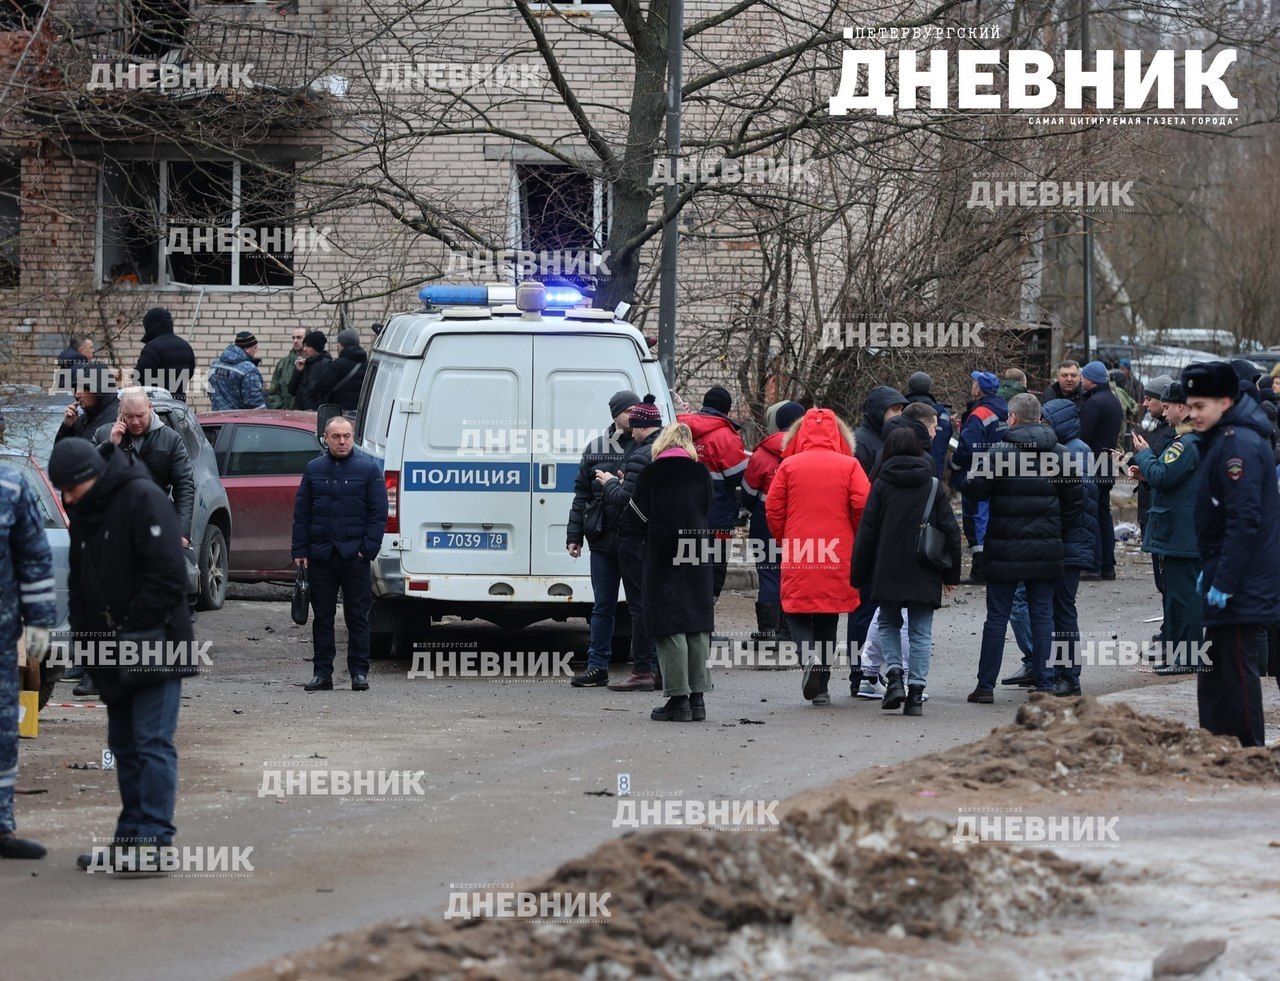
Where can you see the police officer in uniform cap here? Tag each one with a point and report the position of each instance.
(1237, 519)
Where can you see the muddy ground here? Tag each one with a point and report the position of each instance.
(519, 779)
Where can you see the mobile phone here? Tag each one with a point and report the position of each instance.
(1128, 441)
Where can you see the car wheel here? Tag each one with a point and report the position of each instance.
(213, 570)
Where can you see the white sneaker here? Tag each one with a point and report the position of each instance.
(870, 688)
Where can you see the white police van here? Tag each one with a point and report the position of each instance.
(479, 409)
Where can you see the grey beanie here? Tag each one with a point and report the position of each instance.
(1158, 387)
(622, 401)
(920, 383)
(348, 338)
(74, 461)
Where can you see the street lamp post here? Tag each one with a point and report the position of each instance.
(671, 199)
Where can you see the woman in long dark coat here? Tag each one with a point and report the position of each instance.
(886, 568)
(673, 497)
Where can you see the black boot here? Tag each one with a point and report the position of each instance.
(698, 706)
(1025, 678)
(915, 701)
(677, 709)
(11, 846)
(766, 621)
(893, 691)
(591, 678)
(319, 683)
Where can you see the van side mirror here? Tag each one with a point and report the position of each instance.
(323, 415)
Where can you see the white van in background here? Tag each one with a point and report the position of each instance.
(479, 411)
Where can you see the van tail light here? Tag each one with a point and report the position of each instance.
(393, 502)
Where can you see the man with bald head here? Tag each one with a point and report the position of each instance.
(141, 435)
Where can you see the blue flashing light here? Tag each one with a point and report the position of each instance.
(563, 297)
(440, 295)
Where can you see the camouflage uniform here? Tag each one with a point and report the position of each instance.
(27, 598)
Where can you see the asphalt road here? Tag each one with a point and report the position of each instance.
(514, 769)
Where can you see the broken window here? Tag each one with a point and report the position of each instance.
(197, 223)
(560, 209)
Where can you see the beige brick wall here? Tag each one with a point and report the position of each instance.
(374, 256)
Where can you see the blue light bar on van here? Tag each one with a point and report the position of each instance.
(562, 297)
(441, 295)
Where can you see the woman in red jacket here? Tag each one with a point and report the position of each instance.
(815, 503)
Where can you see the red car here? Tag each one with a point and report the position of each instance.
(261, 454)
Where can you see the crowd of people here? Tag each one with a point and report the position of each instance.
(304, 378)
(850, 522)
(859, 523)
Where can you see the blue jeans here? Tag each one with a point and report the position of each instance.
(1066, 626)
(919, 638)
(1020, 620)
(606, 575)
(999, 606)
(140, 733)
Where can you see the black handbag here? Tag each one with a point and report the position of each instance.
(593, 517)
(301, 597)
(931, 543)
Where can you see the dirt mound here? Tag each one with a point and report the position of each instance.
(1081, 743)
(680, 899)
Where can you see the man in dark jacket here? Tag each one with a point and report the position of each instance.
(310, 372)
(981, 427)
(167, 360)
(920, 389)
(1237, 519)
(594, 521)
(720, 449)
(881, 404)
(342, 377)
(645, 423)
(1169, 535)
(96, 402)
(1078, 547)
(1067, 384)
(1159, 434)
(1100, 419)
(143, 436)
(339, 517)
(127, 583)
(1033, 511)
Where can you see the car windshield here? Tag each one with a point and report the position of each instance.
(32, 425)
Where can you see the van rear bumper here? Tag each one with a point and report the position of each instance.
(389, 579)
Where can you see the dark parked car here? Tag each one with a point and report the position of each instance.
(260, 455)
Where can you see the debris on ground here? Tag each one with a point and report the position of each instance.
(845, 876)
(1083, 744)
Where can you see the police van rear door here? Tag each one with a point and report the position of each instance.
(574, 376)
(465, 478)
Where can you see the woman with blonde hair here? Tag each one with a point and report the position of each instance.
(673, 499)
